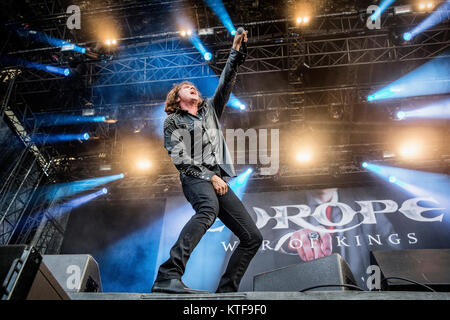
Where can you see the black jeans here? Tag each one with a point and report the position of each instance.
(208, 206)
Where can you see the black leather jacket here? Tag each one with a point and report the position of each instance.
(184, 132)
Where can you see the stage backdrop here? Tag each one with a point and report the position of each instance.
(130, 239)
(364, 219)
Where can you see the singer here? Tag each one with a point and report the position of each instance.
(202, 179)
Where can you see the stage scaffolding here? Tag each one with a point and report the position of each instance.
(275, 46)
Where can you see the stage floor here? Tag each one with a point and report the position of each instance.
(313, 295)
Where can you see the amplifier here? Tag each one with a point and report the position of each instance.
(24, 276)
(75, 272)
(330, 270)
(430, 267)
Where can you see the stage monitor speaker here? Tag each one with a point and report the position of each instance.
(23, 276)
(430, 267)
(331, 270)
(75, 272)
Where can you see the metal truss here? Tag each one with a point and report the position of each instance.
(17, 194)
(141, 71)
(45, 225)
(31, 167)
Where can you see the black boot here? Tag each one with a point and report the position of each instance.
(173, 286)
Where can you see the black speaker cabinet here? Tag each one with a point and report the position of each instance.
(426, 266)
(324, 271)
(75, 272)
(23, 276)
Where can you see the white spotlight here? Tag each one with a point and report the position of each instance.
(304, 156)
(143, 164)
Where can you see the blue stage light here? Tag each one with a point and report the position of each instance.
(364, 164)
(392, 179)
(401, 115)
(62, 71)
(44, 38)
(381, 8)
(207, 56)
(233, 32)
(407, 36)
(44, 120)
(62, 208)
(236, 103)
(195, 40)
(105, 191)
(437, 110)
(439, 15)
(219, 9)
(62, 190)
(239, 183)
(430, 78)
(86, 136)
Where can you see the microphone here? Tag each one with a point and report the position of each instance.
(239, 31)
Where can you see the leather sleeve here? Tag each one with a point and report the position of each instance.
(227, 80)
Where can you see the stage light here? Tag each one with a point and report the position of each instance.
(39, 138)
(364, 164)
(66, 72)
(239, 183)
(235, 102)
(302, 20)
(62, 190)
(407, 36)
(392, 179)
(233, 33)
(108, 42)
(45, 38)
(401, 115)
(381, 8)
(186, 33)
(46, 120)
(428, 79)
(410, 149)
(304, 156)
(195, 40)
(219, 9)
(143, 164)
(439, 15)
(207, 56)
(104, 191)
(437, 110)
(114, 41)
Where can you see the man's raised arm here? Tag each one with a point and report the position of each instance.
(229, 72)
